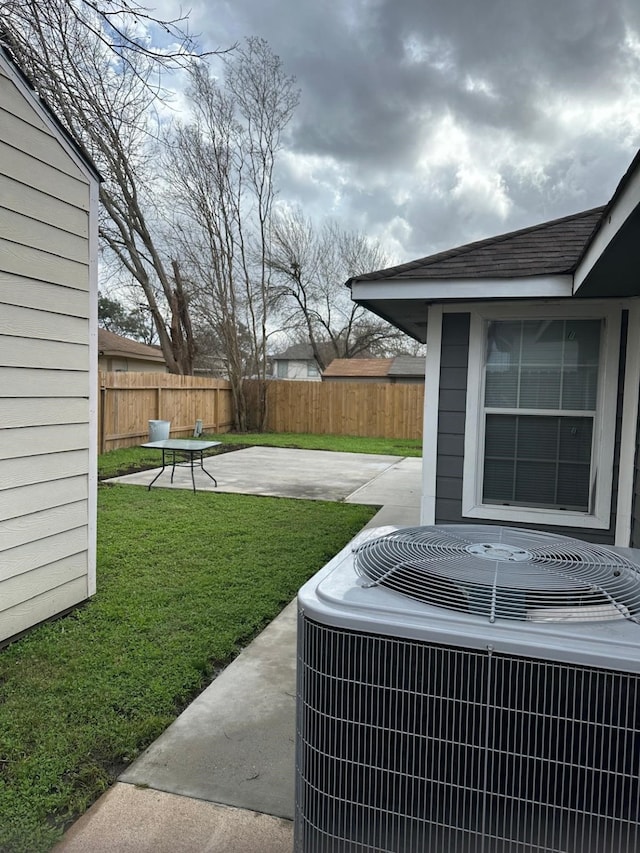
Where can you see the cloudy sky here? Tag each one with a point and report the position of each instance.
(430, 123)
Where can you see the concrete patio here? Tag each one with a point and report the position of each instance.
(221, 777)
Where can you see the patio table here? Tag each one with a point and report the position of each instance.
(188, 449)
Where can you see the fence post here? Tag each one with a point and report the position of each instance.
(103, 410)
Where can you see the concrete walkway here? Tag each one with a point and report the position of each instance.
(221, 778)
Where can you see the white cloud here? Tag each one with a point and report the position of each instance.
(482, 189)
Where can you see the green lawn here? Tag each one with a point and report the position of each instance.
(184, 580)
(134, 458)
(346, 443)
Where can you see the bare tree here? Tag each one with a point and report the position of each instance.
(222, 175)
(108, 21)
(310, 268)
(101, 80)
(203, 172)
(265, 98)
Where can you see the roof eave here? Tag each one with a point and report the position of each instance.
(405, 304)
(613, 245)
(116, 353)
(439, 290)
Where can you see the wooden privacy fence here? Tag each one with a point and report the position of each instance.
(375, 409)
(128, 401)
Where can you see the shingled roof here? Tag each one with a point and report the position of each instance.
(304, 352)
(407, 365)
(358, 367)
(115, 345)
(549, 248)
(296, 352)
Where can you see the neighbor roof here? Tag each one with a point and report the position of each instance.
(408, 365)
(372, 367)
(296, 352)
(304, 352)
(115, 345)
(549, 248)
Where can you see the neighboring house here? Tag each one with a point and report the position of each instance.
(533, 366)
(406, 369)
(215, 366)
(48, 359)
(119, 354)
(357, 370)
(296, 362)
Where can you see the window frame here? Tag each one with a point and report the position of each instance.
(604, 423)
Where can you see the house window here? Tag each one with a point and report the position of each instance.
(312, 369)
(539, 445)
(283, 369)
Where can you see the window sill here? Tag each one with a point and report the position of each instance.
(539, 517)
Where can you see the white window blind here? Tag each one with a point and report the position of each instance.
(540, 397)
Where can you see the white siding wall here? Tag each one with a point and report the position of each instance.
(298, 370)
(47, 512)
(130, 365)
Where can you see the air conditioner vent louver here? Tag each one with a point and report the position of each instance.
(503, 573)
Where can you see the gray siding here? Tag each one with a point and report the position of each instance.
(452, 404)
(635, 515)
(451, 427)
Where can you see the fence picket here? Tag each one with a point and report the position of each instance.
(375, 410)
(129, 400)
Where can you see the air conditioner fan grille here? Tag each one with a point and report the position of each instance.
(505, 573)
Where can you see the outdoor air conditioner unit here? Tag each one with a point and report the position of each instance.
(469, 688)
